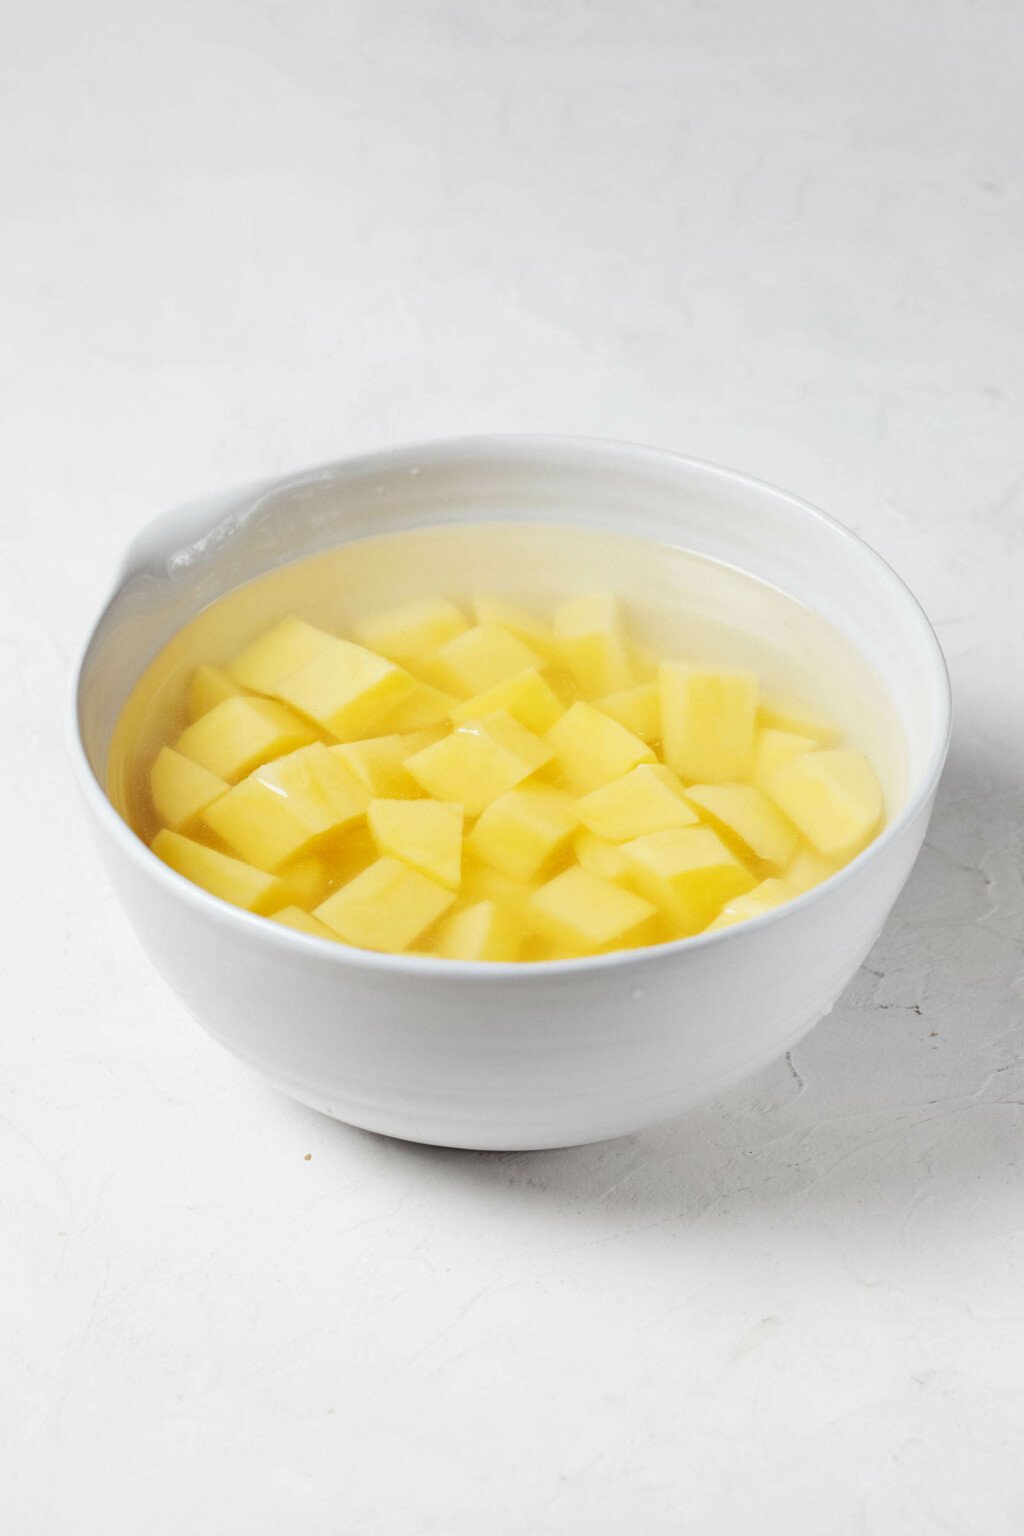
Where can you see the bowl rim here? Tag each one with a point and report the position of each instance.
(432, 966)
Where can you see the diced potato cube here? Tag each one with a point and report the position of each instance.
(523, 830)
(478, 659)
(647, 799)
(688, 872)
(480, 932)
(809, 868)
(220, 874)
(421, 709)
(774, 749)
(379, 762)
(208, 686)
(281, 809)
(307, 880)
(590, 748)
(303, 922)
(763, 898)
(182, 789)
(345, 688)
(274, 654)
(777, 712)
(416, 629)
(425, 833)
(591, 642)
(707, 722)
(526, 697)
(479, 761)
(601, 856)
(519, 621)
(482, 882)
(580, 908)
(387, 907)
(747, 813)
(238, 735)
(833, 797)
(638, 709)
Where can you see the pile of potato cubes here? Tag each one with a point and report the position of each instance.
(501, 787)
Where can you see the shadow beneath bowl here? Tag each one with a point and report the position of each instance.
(902, 1100)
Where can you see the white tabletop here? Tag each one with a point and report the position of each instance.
(242, 238)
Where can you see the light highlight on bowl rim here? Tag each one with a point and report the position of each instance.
(501, 971)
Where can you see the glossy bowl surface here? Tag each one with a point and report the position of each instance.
(505, 1056)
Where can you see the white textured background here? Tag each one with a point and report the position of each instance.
(237, 238)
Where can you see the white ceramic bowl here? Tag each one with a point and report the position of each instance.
(503, 1056)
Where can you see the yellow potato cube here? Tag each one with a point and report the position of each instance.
(809, 868)
(833, 797)
(208, 686)
(387, 907)
(707, 722)
(590, 748)
(421, 709)
(271, 656)
(777, 712)
(303, 922)
(238, 735)
(425, 833)
(478, 659)
(597, 854)
(638, 709)
(647, 799)
(524, 830)
(281, 809)
(688, 872)
(748, 814)
(307, 880)
(774, 749)
(220, 874)
(591, 642)
(379, 762)
(482, 882)
(526, 697)
(479, 761)
(480, 932)
(345, 688)
(416, 629)
(581, 909)
(763, 898)
(182, 789)
(519, 621)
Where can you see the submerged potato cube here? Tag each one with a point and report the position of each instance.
(480, 932)
(523, 830)
(773, 749)
(303, 922)
(707, 721)
(747, 813)
(238, 735)
(810, 868)
(208, 686)
(479, 761)
(600, 855)
(413, 630)
(479, 658)
(526, 697)
(688, 872)
(592, 644)
(387, 907)
(590, 748)
(777, 712)
(519, 621)
(345, 688)
(422, 708)
(427, 834)
(182, 789)
(482, 882)
(307, 880)
(647, 799)
(281, 809)
(379, 761)
(584, 910)
(272, 655)
(220, 874)
(833, 797)
(763, 898)
(638, 709)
